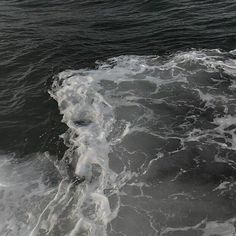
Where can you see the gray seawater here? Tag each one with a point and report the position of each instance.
(117, 118)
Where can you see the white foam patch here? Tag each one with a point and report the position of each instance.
(212, 60)
(227, 124)
(24, 191)
(207, 228)
(226, 228)
(221, 186)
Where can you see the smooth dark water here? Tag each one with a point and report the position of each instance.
(152, 130)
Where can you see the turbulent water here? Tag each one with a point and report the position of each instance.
(118, 118)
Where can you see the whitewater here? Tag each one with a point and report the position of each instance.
(151, 146)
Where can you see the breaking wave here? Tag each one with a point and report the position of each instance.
(151, 143)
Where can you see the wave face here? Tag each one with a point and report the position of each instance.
(151, 151)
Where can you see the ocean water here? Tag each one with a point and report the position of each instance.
(117, 118)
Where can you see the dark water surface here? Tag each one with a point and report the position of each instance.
(117, 118)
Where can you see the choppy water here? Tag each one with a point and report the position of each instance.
(117, 118)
